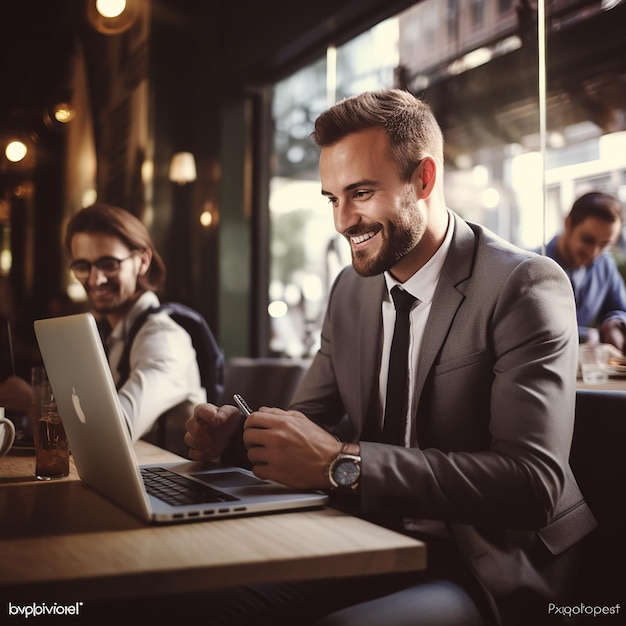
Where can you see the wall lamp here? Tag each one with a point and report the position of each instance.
(183, 168)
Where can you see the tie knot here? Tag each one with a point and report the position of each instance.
(402, 300)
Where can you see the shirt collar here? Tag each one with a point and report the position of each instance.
(423, 283)
(145, 301)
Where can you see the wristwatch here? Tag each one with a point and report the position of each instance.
(344, 471)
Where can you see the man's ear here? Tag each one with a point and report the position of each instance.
(568, 224)
(146, 259)
(426, 176)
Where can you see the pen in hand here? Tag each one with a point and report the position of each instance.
(243, 405)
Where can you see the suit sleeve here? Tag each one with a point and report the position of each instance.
(318, 396)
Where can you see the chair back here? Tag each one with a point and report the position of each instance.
(598, 460)
(265, 381)
(598, 455)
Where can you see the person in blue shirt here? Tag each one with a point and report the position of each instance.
(593, 225)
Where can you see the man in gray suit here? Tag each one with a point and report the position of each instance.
(478, 463)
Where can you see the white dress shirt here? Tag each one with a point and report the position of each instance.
(164, 374)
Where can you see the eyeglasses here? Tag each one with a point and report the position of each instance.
(108, 265)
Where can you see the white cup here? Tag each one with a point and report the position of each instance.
(7, 433)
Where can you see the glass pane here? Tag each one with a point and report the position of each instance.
(295, 206)
(467, 61)
(476, 63)
(586, 107)
(306, 252)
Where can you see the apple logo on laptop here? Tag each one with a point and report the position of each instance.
(77, 407)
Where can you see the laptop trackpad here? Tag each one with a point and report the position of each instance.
(229, 479)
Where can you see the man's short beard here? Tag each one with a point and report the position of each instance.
(118, 308)
(104, 310)
(396, 245)
(389, 256)
(399, 237)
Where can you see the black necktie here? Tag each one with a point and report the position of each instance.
(396, 403)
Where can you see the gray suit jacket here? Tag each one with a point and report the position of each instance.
(495, 411)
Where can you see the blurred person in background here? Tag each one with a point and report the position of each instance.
(114, 259)
(592, 227)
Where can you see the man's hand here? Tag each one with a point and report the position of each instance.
(287, 447)
(209, 430)
(16, 394)
(612, 331)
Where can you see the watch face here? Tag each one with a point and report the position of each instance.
(346, 473)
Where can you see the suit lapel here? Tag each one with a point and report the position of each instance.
(449, 295)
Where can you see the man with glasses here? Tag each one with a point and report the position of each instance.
(114, 259)
(592, 227)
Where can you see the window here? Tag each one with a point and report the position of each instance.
(453, 19)
(306, 252)
(500, 172)
(478, 12)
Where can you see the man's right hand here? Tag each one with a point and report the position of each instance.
(209, 430)
(613, 332)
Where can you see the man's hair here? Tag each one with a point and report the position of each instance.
(117, 222)
(410, 125)
(596, 204)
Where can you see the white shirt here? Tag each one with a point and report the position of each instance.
(422, 285)
(164, 373)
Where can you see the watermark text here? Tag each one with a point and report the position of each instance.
(39, 609)
(583, 609)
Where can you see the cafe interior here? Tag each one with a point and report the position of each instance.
(195, 116)
(106, 108)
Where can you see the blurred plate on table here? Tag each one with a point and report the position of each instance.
(617, 371)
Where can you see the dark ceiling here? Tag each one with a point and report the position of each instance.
(34, 41)
(260, 42)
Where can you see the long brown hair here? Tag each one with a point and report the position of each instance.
(112, 220)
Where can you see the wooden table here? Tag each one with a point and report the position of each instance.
(612, 384)
(62, 541)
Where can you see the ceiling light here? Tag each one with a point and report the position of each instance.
(110, 8)
(15, 151)
(111, 17)
(63, 113)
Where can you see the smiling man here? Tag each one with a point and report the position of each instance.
(470, 450)
(114, 259)
(592, 227)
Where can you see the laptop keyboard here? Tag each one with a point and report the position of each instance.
(178, 490)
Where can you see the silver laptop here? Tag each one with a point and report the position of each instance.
(100, 442)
